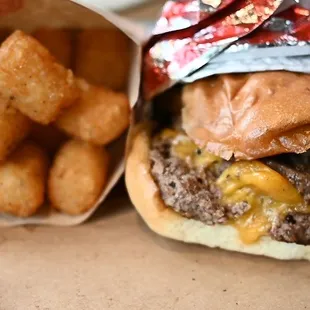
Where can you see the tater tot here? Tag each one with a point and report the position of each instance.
(23, 180)
(99, 116)
(77, 177)
(14, 127)
(103, 57)
(58, 42)
(48, 137)
(32, 80)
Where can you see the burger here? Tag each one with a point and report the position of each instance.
(224, 162)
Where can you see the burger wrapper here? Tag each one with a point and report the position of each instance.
(28, 15)
(227, 37)
(282, 43)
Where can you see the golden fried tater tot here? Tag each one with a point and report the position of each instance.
(58, 42)
(99, 116)
(32, 80)
(14, 127)
(23, 180)
(48, 137)
(103, 57)
(77, 177)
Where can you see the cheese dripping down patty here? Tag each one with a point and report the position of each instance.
(269, 195)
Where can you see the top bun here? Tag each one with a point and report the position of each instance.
(249, 116)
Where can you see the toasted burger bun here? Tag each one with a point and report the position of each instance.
(249, 115)
(145, 196)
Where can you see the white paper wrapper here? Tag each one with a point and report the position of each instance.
(65, 13)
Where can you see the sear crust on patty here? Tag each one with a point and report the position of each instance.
(193, 193)
(294, 170)
(295, 228)
(187, 191)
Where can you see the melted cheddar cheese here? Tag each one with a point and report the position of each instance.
(187, 150)
(267, 192)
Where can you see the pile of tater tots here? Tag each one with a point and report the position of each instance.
(62, 100)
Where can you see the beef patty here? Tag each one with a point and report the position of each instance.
(192, 192)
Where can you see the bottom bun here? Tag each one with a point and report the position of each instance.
(145, 196)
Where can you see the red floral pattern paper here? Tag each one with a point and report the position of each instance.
(176, 54)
